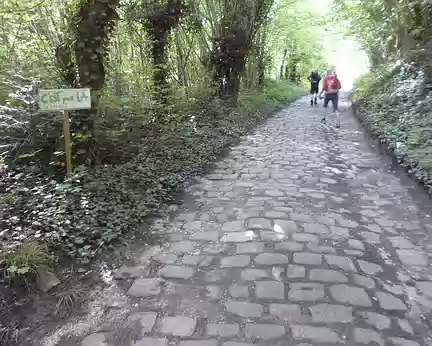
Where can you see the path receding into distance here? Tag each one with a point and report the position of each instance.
(301, 235)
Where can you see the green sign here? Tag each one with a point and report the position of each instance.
(64, 99)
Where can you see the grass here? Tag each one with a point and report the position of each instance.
(24, 260)
(71, 293)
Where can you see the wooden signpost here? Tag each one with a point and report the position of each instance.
(64, 100)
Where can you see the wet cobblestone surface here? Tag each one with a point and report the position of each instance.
(300, 236)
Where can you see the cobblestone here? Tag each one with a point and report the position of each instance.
(364, 281)
(145, 288)
(150, 342)
(254, 274)
(176, 272)
(166, 258)
(238, 237)
(375, 319)
(412, 257)
(367, 336)
(305, 238)
(305, 291)
(321, 249)
(403, 342)
(316, 334)
(271, 259)
(192, 260)
(198, 343)
(238, 291)
(342, 262)
(388, 301)
(350, 295)
(233, 226)
(307, 258)
(235, 261)
(259, 224)
(288, 247)
(286, 312)
(270, 290)
(97, 339)
(315, 228)
(369, 268)
(206, 236)
(249, 248)
(263, 331)
(327, 313)
(182, 247)
(326, 275)
(178, 326)
(244, 309)
(223, 330)
(340, 231)
(146, 321)
(295, 271)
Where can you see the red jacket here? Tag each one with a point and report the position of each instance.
(326, 82)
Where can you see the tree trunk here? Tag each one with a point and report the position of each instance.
(281, 73)
(159, 25)
(160, 73)
(65, 64)
(229, 60)
(96, 19)
(293, 71)
(261, 61)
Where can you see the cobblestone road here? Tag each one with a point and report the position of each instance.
(300, 236)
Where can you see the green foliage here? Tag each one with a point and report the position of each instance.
(295, 41)
(393, 104)
(391, 31)
(23, 261)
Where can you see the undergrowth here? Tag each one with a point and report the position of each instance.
(23, 261)
(396, 105)
(141, 165)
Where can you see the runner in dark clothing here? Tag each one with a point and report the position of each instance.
(314, 79)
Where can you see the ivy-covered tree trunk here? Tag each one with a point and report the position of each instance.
(261, 60)
(282, 67)
(159, 57)
(65, 64)
(292, 66)
(95, 21)
(229, 61)
(160, 22)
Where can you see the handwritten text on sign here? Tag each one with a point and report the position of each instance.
(64, 99)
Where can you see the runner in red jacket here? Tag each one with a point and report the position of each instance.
(331, 87)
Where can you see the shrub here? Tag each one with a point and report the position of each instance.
(397, 107)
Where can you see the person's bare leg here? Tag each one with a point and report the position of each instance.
(325, 115)
(337, 118)
(336, 109)
(325, 109)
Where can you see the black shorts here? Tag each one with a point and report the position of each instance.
(334, 98)
(314, 88)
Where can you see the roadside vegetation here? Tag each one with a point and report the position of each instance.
(395, 99)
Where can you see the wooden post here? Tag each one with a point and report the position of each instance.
(68, 146)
